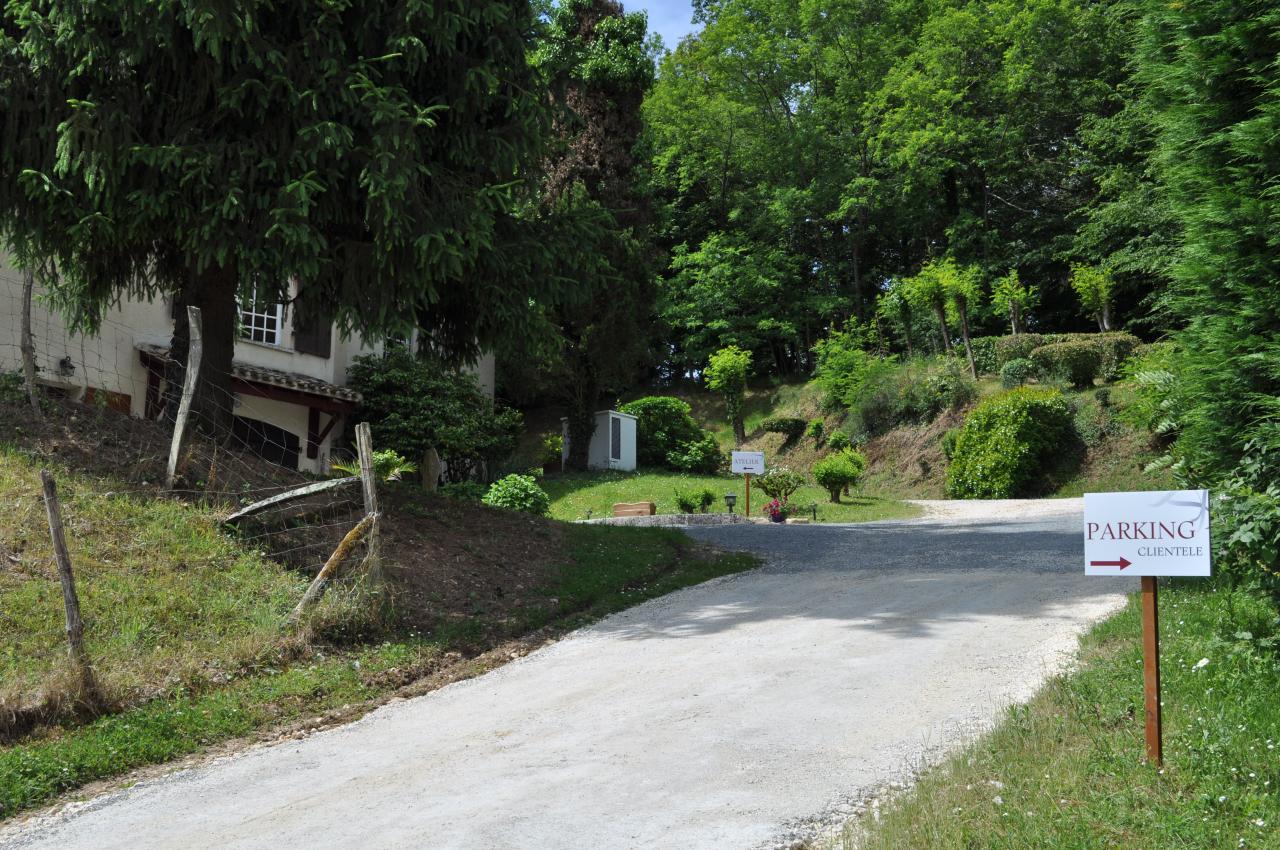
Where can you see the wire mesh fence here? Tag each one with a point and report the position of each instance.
(106, 421)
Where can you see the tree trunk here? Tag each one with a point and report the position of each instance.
(962, 307)
(1015, 318)
(1104, 317)
(214, 291)
(941, 310)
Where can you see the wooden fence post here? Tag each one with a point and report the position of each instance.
(195, 350)
(70, 601)
(28, 345)
(364, 449)
(329, 571)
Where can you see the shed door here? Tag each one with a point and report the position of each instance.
(615, 438)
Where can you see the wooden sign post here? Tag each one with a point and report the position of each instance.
(1148, 535)
(748, 463)
(1151, 670)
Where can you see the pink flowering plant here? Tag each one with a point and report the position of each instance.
(777, 510)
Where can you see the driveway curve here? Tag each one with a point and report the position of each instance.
(741, 713)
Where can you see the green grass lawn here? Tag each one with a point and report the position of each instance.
(1067, 770)
(574, 494)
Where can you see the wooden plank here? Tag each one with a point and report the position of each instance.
(1151, 669)
(70, 599)
(635, 509)
(195, 351)
(289, 496)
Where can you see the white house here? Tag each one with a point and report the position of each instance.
(613, 443)
(289, 382)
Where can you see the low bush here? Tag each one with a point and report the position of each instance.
(702, 456)
(1005, 443)
(1077, 362)
(1019, 346)
(470, 491)
(816, 430)
(1015, 373)
(780, 482)
(838, 472)
(839, 441)
(1114, 350)
(518, 493)
(791, 427)
(686, 503)
(706, 499)
(949, 442)
(1246, 523)
(667, 435)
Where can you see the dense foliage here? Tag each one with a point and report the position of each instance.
(1006, 442)
(667, 435)
(517, 492)
(779, 482)
(414, 403)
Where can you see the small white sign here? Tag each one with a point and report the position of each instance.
(1162, 533)
(748, 462)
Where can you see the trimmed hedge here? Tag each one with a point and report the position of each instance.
(792, 427)
(1019, 347)
(1115, 350)
(1006, 442)
(1015, 373)
(1077, 362)
(984, 354)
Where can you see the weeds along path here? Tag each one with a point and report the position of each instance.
(745, 712)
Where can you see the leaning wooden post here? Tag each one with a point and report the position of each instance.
(195, 349)
(364, 449)
(70, 601)
(340, 556)
(28, 344)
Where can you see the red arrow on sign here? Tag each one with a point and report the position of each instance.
(1122, 563)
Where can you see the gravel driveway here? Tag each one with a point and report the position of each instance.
(737, 714)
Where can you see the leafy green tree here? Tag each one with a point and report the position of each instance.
(596, 61)
(1012, 298)
(1211, 84)
(929, 291)
(726, 374)
(964, 293)
(838, 472)
(214, 153)
(1094, 286)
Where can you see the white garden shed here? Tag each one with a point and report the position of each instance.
(613, 444)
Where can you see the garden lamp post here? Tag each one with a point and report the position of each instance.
(730, 499)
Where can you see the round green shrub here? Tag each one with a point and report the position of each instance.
(686, 503)
(701, 455)
(1005, 443)
(1019, 346)
(518, 493)
(664, 428)
(1077, 361)
(1114, 350)
(1015, 373)
(836, 472)
(780, 482)
(816, 429)
(839, 441)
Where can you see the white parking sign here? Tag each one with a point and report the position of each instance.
(1162, 533)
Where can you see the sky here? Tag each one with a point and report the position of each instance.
(672, 19)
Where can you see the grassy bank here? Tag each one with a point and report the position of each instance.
(573, 495)
(1066, 770)
(185, 623)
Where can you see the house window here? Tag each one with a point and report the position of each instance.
(261, 321)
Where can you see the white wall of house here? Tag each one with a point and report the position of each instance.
(110, 362)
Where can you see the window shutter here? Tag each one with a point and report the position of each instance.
(312, 335)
